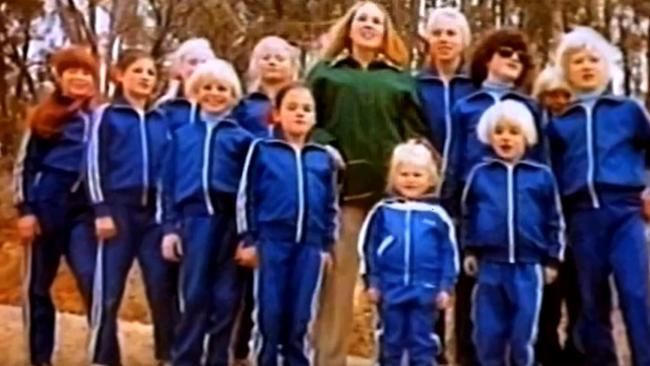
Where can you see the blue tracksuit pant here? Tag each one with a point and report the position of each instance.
(610, 240)
(138, 236)
(507, 303)
(210, 289)
(286, 290)
(408, 327)
(66, 229)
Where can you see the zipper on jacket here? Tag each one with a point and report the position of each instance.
(301, 195)
(145, 157)
(446, 144)
(205, 171)
(511, 214)
(407, 247)
(590, 158)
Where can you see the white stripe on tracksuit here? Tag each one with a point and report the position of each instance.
(19, 168)
(242, 199)
(94, 178)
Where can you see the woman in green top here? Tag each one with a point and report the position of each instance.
(366, 104)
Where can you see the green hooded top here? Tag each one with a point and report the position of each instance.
(364, 113)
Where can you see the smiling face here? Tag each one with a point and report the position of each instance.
(412, 181)
(215, 96)
(77, 83)
(508, 141)
(586, 71)
(139, 78)
(296, 113)
(506, 64)
(445, 40)
(368, 27)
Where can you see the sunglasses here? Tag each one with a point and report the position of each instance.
(507, 52)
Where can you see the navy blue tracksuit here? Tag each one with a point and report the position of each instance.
(124, 173)
(438, 98)
(50, 184)
(599, 149)
(410, 256)
(202, 172)
(178, 112)
(512, 222)
(287, 208)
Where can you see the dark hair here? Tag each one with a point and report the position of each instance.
(126, 59)
(488, 46)
(282, 93)
(47, 117)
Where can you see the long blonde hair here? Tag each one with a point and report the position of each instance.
(338, 37)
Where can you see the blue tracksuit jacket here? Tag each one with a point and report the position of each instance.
(438, 99)
(512, 213)
(178, 112)
(253, 113)
(599, 148)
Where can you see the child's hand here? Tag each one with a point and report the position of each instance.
(105, 228)
(470, 265)
(171, 248)
(246, 256)
(28, 228)
(646, 204)
(328, 262)
(443, 300)
(550, 274)
(373, 295)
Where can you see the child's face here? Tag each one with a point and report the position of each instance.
(586, 71)
(215, 96)
(412, 181)
(296, 115)
(139, 78)
(508, 141)
(77, 82)
(556, 100)
(275, 64)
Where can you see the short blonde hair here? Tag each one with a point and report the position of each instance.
(513, 111)
(550, 79)
(455, 15)
(585, 38)
(192, 46)
(338, 37)
(416, 152)
(212, 70)
(253, 74)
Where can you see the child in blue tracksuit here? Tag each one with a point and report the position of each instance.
(202, 172)
(287, 214)
(124, 173)
(273, 65)
(512, 226)
(174, 102)
(55, 216)
(410, 258)
(599, 151)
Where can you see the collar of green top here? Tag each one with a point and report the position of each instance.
(381, 61)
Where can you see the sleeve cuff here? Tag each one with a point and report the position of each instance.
(102, 210)
(171, 228)
(25, 209)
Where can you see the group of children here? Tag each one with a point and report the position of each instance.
(223, 183)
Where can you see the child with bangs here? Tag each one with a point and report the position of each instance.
(202, 172)
(410, 258)
(513, 236)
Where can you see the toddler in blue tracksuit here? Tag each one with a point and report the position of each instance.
(124, 174)
(288, 216)
(410, 258)
(513, 228)
(202, 171)
(599, 151)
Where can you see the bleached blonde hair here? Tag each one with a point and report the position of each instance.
(253, 75)
(548, 80)
(585, 38)
(213, 70)
(415, 152)
(191, 47)
(455, 15)
(338, 37)
(514, 112)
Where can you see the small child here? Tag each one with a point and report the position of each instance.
(552, 91)
(512, 225)
(410, 258)
(288, 215)
(202, 173)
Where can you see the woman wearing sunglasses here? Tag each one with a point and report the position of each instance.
(498, 68)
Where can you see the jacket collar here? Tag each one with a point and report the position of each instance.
(121, 103)
(381, 61)
(431, 73)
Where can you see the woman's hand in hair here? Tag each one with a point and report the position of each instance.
(105, 228)
(171, 247)
(28, 228)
